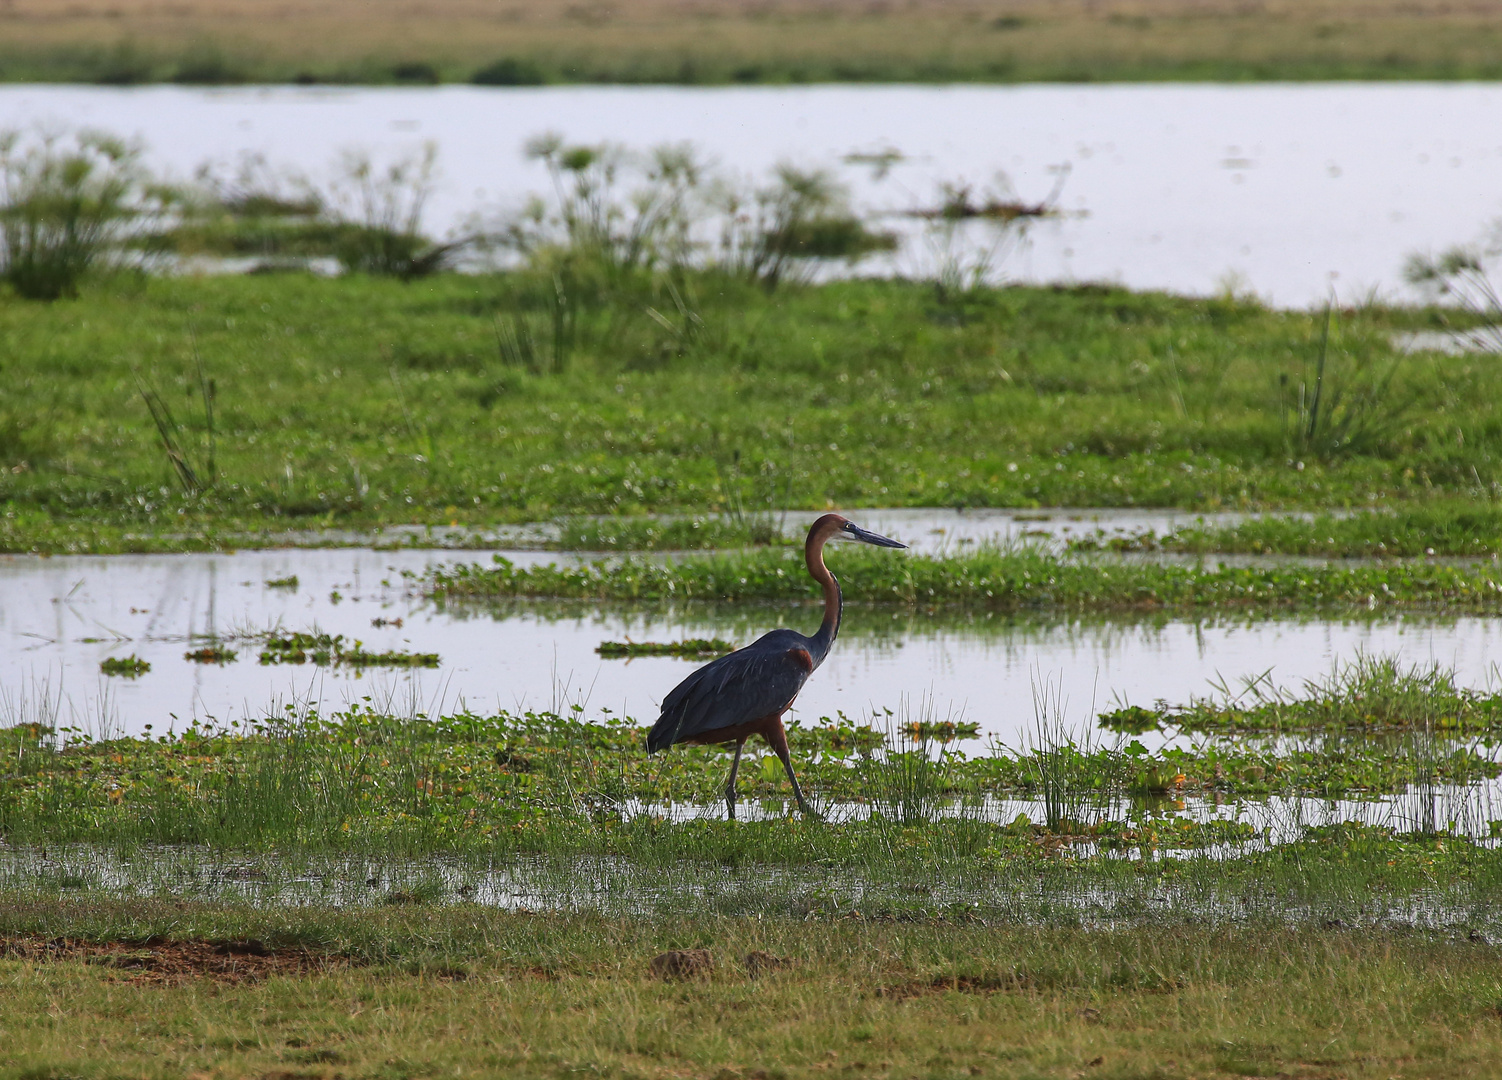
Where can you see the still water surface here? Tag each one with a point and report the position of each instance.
(1290, 190)
(60, 617)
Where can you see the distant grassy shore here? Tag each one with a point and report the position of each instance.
(209, 42)
(356, 403)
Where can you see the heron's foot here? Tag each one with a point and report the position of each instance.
(809, 812)
(730, 803)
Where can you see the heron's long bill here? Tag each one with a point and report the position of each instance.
(866, 536)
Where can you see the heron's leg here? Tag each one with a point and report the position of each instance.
(778, 738)
(735, 763)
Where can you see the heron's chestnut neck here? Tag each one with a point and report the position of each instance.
(813, 556)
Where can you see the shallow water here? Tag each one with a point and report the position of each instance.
(928, 530)
(60, 617)
(1289, 190)
(937, 530)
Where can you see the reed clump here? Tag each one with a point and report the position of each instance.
(66, 203)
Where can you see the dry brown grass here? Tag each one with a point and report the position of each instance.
(757, 40)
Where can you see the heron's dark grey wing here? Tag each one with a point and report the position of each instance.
(758, 681)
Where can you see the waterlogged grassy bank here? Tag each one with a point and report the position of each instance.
(354, 403)
(539, 783)
(415, 991)
(994, 579)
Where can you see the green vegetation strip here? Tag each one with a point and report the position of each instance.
(326, 649)
(403, 991)
(993, 579)
(690, 648)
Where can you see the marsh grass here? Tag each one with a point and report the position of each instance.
(777, 380)
(911, 779)
(613, 208)
(196, 469)
(1348, 402)
(1067, 768)
(963, 264)
(542, 346)
(778, 232)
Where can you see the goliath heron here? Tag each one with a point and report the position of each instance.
(746, 692)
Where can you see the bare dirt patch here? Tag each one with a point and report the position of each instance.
(163, 960)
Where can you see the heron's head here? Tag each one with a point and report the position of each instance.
(836, 527)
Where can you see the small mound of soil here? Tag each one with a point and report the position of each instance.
(163, 960)
(682, 964)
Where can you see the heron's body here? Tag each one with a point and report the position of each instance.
(746, 692)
